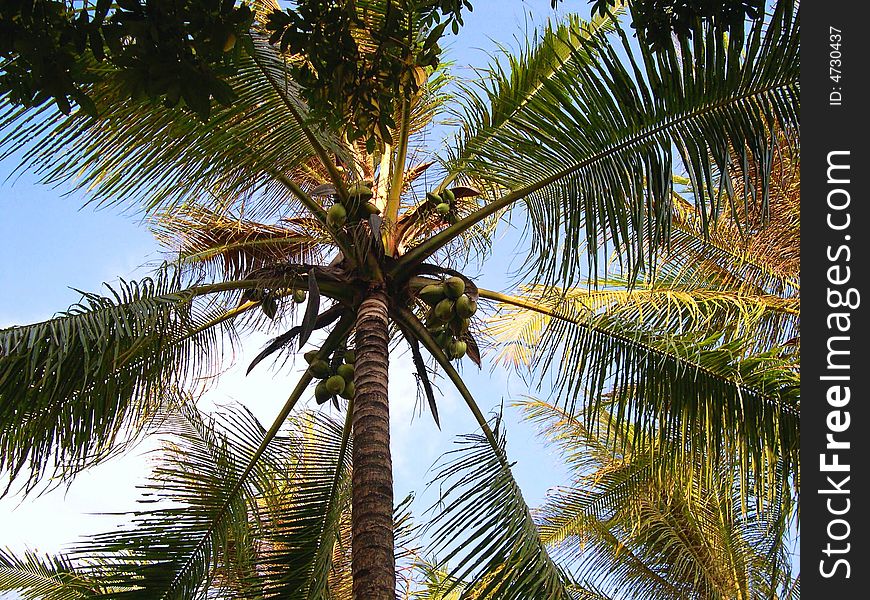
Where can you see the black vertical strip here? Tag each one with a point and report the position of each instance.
(835, 269)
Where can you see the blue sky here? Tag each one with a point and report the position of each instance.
(51, 244)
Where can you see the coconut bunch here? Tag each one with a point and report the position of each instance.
(269, 300)
(443, 204)
(335, 374)
(357, 208)
(449, 314)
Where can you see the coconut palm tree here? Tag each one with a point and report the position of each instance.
(721, 300)
(278, 198)
(637, 521)
(631, 533)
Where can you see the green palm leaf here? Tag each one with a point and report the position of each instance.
(486, 527)
(494, 103)
(591, 154)
(628, 527)
(208, 485)
(664, 305)
(679, 383)
(203, 518)
(36, 577)
(74, 385)
(169, 156)
(302, 515)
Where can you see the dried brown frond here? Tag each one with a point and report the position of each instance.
(234, 246)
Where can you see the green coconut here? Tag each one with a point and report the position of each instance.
(455, 287)
(442, 209)
(434, 198)
(299, 296)
(345, 371)
(465, 306)
(370, 208)
(443, 338)
(310, 356)
(444, 310)
(320, 369)
(432, 294)
(321, 394)
(448, 196)
(360, 191)
(336, 216)
(348, 391)
(349, 357)
(335, 384)
(458, 348)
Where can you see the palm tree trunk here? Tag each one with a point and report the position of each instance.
(373, 562)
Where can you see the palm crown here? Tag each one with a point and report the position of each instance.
(580, 133)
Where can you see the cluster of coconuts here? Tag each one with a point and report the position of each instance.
(449, 315)
(269, 301)
(359, 206)
(442, 203)
(335, 375)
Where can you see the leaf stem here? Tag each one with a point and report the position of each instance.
(395, 193)
(412, 323)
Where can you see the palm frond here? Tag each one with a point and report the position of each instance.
(230, 247)
(35, 577)
(629, 528)
(494, 102)
(748, 249)
(485, 526)
(302, 514)
(73, 386)
(771, 238)
(662, 306)
(592, 153)
(744, 402)
(206, 491)
(168, 156)
(204, 488)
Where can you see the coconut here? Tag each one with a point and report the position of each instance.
(465, 306)
(432, 294)
(310, 356)
(442, 209)
(348, 390)
(458, 348)
(321, 394)
(230, 42)
(443, 338)
(459, 325)
(320, 369)
(335, 384)
(448, 196)
(345, 371)
(455, 287)
(349, 356)
(360, 191)
(444, 310)
(370, 208)
(336, 216)
(434, 198)
(298, 296)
